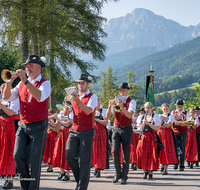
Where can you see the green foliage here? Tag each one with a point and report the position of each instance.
(135, 92)
(178, 60)
(193, 101)
(8, 61)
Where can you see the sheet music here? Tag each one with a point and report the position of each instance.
(71, 90)
(122, 98)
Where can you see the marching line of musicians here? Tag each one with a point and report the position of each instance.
(79, 137)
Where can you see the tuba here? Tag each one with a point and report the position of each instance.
(6, 75)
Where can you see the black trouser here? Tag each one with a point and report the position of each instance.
(122, 135)
(80, 143)
(180, 141)
(34, 136)
(198, 146)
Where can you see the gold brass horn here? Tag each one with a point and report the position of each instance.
(117, 108)
(59, 107)
(68, 101)
(6, 75)
(190, 120)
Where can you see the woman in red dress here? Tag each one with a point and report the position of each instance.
(147, 154)
(134, 142)
(60, 146)
(53, 129)
(191, 150)
(168, 155)
(100, 144)
(8, 115)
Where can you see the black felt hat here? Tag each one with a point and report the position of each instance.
(179, 102)
(196, 108)
(84, 77)
(35, 59)
(142, 109)
(124, 85)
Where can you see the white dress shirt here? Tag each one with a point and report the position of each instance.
(45, 89)
(93, 101)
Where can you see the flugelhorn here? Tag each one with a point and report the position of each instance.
(68, 101)
(6, 75)
(190, 120)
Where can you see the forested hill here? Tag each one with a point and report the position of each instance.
(180, 59)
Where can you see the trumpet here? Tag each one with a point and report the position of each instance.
(116, 107)
(6, 75)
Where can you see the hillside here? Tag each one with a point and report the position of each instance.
(180, 59)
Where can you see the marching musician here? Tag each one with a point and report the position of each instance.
(197, 111)
(33, 94)
(60, 146)
(122, 132)
(180, 131)
(100, 159)
(147, 153)
(81, 134)
(191, 150)
(134, 142)
(52, 131)
(8, 119)
(168, 155)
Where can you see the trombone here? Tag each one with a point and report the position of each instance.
(6, 75)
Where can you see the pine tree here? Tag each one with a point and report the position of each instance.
(135, 92)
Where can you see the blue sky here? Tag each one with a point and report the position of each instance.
(185, 12)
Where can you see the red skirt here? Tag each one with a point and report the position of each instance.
(49, 147)
(191, 150)
(99, 155)
(147, 155)
(7, 162)
(60, 150)
(168, 155)
(133, 146)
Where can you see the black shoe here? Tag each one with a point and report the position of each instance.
(60, 176)
(135, 168)
(175, 166)
(49, 170)
(191, 166)
(161, 170)
(164, 173)
(65, 178)
(188, 164)
(5, 182)
(150, 176)
(77, 187)
(145, 175)
(95, 172)
(116, 179)
(123, 180)
(197, 164)
(8, 185)
(98, 174)
(181, 169)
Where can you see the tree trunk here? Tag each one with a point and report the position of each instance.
(24, 32)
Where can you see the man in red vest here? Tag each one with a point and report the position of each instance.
(180, 132)
(33, 94)
(122, 132)
(81, 134)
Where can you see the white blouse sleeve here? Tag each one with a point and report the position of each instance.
(171, 118)
(157, 120)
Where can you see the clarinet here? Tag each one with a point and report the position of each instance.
(145, 115)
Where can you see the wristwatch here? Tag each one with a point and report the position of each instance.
(27, 81)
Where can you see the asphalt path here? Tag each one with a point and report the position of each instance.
(188, 179)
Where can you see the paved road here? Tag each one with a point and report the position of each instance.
(189, 179)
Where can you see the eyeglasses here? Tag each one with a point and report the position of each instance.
(147, 108)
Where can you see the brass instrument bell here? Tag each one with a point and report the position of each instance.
(6, 75)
